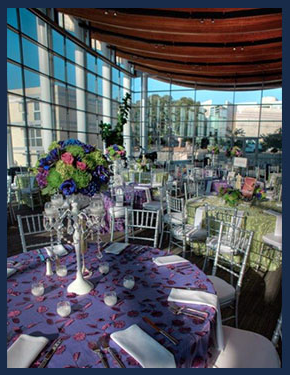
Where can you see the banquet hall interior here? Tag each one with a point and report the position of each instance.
(144, 187)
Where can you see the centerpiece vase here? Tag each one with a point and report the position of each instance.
(79, 286)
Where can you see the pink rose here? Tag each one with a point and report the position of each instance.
(81, 165)
(67, 158)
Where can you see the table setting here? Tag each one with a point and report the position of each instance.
(133, 302)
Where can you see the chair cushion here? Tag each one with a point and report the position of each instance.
(153, 206)
(192, 233)
(212, 243)
(117, 211)
(225, 291)
(175, 218)
(245, 349)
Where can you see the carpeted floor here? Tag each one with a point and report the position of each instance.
(255, 313)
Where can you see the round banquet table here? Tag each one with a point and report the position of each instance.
(90, 318)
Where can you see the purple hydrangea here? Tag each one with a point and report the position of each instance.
(41, 178)
(91, 189)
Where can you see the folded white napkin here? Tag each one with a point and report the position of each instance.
(198, 217)
(201, 298)
(25, 350)
(116, 248)
(143, 348)
(58, 250)
(10, 272)
(169, 259)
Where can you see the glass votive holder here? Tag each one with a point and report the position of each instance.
(129, 281)
(104, 268)
(63, 308)
(110, 298)
(37, 289)
(61, 270)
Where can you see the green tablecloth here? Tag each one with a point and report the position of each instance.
(256, 220)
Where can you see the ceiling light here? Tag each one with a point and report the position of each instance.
(234, 48)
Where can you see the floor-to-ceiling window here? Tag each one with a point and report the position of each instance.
(56, 88)
(179, 116)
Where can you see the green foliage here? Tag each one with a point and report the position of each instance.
(54, 179)
(76, 150)
(81, 178)
(53, 145)
(115, 136)
(231, 196)
(95, 158)
(273, 140)
(65, 170)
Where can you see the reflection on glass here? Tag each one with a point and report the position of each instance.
(13, 51)
(28, 23)
(58, 68)
(32, 83)
(57, 42)
(14, 78)
(59, 93)
(91, 63)
(35, 57)
(12, 17)
(70, 49)
(16, 110)
(92, 83)
(71, 73)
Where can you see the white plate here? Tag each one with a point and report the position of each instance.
(116, 248)
(58, 250)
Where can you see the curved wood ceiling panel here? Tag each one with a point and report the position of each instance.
(194, 46)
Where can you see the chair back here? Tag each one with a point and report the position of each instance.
(174, 204)
(234, 262)
(190, 189)
(158, 178)
(217, 214)
(25, 181)
(277, 334)
(122, 195)
(137, 221)
(30, 226)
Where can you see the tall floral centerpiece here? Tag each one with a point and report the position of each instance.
(214, 151)
(115, 152)
(234, 151)
(72, 167)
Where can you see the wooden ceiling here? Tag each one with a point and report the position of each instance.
(217, 48)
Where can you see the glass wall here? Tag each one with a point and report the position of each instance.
(179, 117)
(56, 88)
(59, 90)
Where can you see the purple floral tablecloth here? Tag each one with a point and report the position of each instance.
(91, 318)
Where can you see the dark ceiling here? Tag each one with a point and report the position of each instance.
(217, 48)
